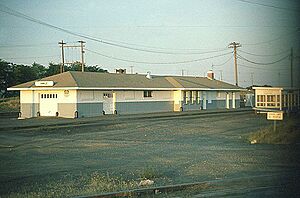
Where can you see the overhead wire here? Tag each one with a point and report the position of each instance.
(259, 63)
(275, 39)
(28, 45)
(100, 40)
(27, 57)
(158, 63)
(269, 6)
(218, 65)
(264, 55)
(267, 69)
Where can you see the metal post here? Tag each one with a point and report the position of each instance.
(274, 126)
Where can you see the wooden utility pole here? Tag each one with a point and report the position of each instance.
(82, 57)
(131, 69)
(62, 56)
(252, 78)
(292, 58)
(235, 45)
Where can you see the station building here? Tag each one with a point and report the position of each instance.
(277, 98)
(86, 94)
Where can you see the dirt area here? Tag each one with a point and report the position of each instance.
(114, 154)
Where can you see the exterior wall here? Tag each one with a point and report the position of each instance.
(89, 103)
(89, 109)
(144, 107)
(29, 110)
(67, 110)
(130, 102)
(30, 102)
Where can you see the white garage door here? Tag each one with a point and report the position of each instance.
(48, 104)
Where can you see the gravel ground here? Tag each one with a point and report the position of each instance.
(173, 150)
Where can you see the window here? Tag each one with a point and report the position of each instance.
(261, 99)
(148, 94)
(107, 95)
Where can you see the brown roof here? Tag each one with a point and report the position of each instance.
(112, 80)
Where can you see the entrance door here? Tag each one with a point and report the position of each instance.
(204, 100)
(108, 103)
(48, 104)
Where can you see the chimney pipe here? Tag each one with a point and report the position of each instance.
(210, 75)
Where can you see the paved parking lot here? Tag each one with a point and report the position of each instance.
(175, 150)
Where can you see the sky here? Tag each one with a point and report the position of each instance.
(164, 37)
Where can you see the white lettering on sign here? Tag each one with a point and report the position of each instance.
(44, 83)
(275, 115)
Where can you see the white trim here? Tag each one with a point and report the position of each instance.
(121, 88)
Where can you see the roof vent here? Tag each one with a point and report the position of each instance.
(210, 75)
(148, 75)
(120, 71)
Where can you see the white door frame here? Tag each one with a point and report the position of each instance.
(108, 102)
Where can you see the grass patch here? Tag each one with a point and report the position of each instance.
(70, 186)
(287, 132)
(149, 173)
(10, 104)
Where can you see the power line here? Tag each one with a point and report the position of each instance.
(269, 6)
(27, 57)
(259, 68)
(264, 55)
(27, 45)
(257, 63)
(158, 63)
(100, 40)
(217, 65)
(275, 39)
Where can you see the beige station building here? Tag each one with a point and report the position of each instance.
(86, 94)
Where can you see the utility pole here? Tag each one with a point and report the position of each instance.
(292, 58)
(182, 72)
(279, 79)
(221, 74)
(252, 78)
(62, 56)
(235, 45)
(82, 57)
(131, 69)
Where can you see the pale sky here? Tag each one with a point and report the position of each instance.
(160, 31)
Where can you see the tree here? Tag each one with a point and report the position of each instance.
(39, 70)
(52, 69)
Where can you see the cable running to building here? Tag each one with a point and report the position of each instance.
(99, 40)
(264, 55)
(257, 63)
(158, 63)
(218, 65)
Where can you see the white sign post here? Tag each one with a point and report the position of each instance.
(275, 116)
